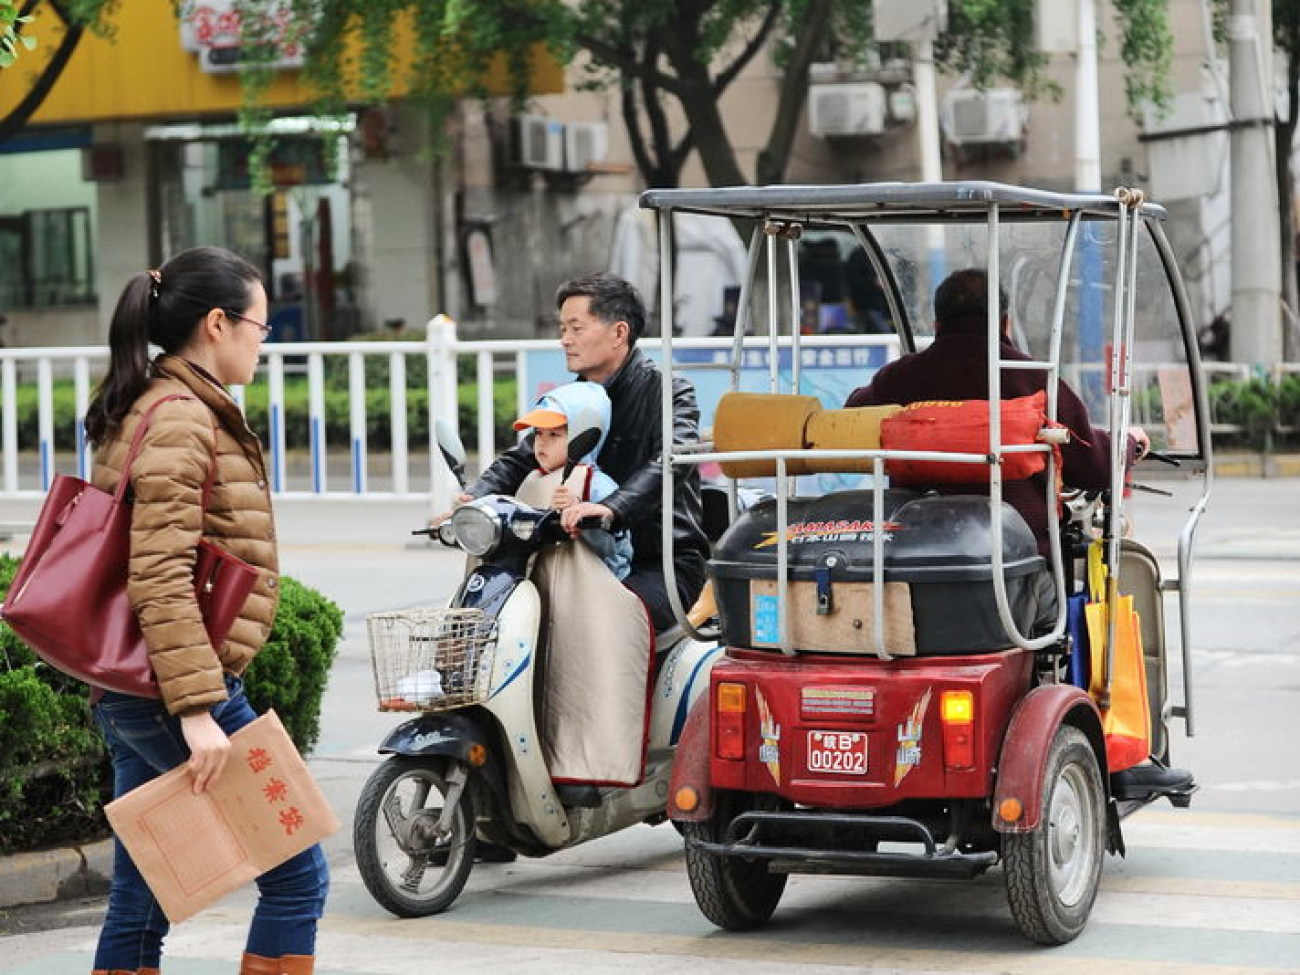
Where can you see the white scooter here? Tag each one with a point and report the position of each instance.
(486, 673)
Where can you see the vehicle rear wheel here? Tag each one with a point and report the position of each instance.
(409, 865)
(733, 892)
(1053, 872)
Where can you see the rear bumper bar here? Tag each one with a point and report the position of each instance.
(799, 842)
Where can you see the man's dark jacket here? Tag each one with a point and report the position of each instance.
(954, 367)
(631, 456)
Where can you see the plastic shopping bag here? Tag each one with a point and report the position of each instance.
(1126, 723)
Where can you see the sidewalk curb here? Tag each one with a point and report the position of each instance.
(43, 876)
(1257, 465)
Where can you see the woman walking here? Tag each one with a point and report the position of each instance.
(199, 474)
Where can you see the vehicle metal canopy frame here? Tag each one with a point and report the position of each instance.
(957, 202)
(781, 213)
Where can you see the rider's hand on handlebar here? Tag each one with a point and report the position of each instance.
(575, 513)
(459, 499)
(563, 498)
(1141, 441)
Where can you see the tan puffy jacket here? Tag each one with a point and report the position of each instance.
(168, 520)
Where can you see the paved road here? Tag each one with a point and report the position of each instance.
(1214, 889)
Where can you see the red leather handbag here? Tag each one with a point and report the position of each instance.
(68, 600)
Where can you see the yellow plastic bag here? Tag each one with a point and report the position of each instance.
(1126, 722)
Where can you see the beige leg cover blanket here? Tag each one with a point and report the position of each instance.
(597, 669)
(594, 691)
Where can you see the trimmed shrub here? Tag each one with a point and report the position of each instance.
(54, 771)
(291, 671)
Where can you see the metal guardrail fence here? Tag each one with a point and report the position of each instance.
(408, 470)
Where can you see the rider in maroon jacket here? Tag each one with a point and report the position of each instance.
(953, 368)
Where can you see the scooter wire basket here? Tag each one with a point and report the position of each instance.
(431, 659)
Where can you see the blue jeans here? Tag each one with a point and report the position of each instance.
(144, 741)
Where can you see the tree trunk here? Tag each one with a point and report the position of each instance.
(1285, 136)
(14, 122)
(775, 156)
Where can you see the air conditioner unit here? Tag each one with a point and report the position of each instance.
(995, 116)
(539, 142)
(846, 109)
(584, 143)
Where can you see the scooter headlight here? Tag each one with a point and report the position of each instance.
(477, 531)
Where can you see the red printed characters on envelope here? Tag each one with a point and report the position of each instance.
(259, 759)
(292, 820)
(275, 791)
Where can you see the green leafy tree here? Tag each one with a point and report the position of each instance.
(677, 58)
(77, 17)
(11, 22)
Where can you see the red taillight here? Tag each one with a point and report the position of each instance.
(957, 715)
(730, 701)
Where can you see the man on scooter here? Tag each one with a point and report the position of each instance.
(601, 318)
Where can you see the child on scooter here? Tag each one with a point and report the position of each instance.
(549, 421)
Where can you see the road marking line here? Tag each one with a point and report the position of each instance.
(758, 949)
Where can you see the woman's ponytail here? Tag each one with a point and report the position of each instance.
(128, 364)
(163, 308)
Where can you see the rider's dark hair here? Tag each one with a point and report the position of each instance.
(612, 300)
(163, 307)
(962, 300)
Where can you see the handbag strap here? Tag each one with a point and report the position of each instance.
(141, 428)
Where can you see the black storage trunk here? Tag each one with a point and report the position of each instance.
(938, 545)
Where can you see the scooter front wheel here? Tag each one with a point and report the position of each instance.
(413, 835)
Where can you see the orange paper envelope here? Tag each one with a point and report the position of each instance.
(195, 849)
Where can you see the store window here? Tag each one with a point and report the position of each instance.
(46, 259)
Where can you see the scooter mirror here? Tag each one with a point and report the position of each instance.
(584, 435)
(453, 451)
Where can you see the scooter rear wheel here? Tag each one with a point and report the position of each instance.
(1053, 872)
(735, 893)
(407, 864)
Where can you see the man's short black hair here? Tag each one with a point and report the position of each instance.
(963, 297)
(611, 300)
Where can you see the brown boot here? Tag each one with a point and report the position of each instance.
(284, 965)
(259, 965)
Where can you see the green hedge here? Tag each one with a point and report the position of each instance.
(337, 411)
(54, 773)
(1267, 414)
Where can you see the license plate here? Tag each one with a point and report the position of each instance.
(837, 752)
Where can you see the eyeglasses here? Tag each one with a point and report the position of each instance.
(265, 328)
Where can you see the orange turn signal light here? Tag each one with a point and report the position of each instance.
(686, 799)
(477, 755)
(957, 707)
(1010, 810)
(731, 698)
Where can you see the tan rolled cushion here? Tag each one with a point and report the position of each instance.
(760, 421)
(856, 428)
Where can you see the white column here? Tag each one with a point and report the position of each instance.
(1256, 335)
(1087, 104)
